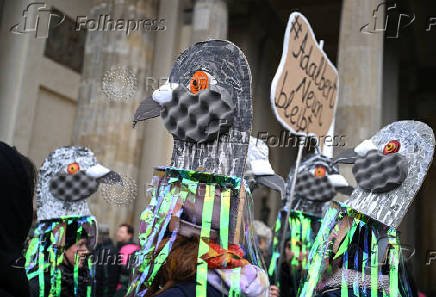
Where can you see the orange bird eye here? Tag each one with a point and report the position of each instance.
(199, 81)
(320, 171)
(393, 146)
(73, 168)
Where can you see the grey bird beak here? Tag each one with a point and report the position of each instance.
(274, 182)
(348, 190)
(147, 109)
(103, 175)
(347, 156)
(111, 178)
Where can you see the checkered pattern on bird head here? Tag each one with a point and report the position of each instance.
(55, 165)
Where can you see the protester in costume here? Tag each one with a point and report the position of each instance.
(17, 180)
(56, 259)
(317, 182)
(196, 234)
(357, 250)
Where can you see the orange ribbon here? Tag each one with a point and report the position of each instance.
(219, 258)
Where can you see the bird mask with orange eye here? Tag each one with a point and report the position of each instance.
(68, 176)
(389, 169)
(206, 106)
(318, 181)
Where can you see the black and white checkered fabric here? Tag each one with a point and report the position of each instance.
(73, 187)
(314, 188)
(380, 173)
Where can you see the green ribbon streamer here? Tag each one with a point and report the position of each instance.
(76, 263)
(346, 242)
(394, 260)
(295, 225)
(235, 287)
(224, 218)
(374, 266)
(306, 231)
(163, 254)
(41, 271)
(155, 214)
(45, 254)
(319, 253)
(154, 217)
(234, 290)
(275, 251)
(371, 231)
(201, 287)
(89, 288)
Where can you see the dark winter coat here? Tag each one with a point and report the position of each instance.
(67, 282)
(16, 183)
(106, 269)
(188, 290)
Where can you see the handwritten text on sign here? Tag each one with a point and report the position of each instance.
(306, 89)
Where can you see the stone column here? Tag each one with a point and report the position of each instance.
(360, 65)
(209, 20)
(104, 120)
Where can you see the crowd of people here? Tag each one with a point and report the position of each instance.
(112, 258)
(197, 235)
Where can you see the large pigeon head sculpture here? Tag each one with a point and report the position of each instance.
(389, 169)
(206, 106)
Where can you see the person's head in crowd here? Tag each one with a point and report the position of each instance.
(80, 249)
(76, 249)
(17, 181)
(103, 233)
(264, 236)
(125, 233)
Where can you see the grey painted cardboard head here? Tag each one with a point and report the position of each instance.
(389, 169)
(317, 183)
(206, 106)
(67, 178)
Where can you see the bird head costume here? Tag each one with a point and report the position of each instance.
(318, 181)
(206, 106)
(67, 178)
(357, 247)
